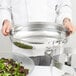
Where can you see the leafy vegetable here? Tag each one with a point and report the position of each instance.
(8, 67)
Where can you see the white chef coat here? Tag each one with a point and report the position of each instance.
(22, 11)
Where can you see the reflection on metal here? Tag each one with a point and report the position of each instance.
(38, 33)
(61, 61)
(53, 36)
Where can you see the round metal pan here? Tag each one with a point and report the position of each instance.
(38, 33)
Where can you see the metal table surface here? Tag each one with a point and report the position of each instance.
(45, 71)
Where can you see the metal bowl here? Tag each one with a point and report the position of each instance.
(37, 33)
(25, 61)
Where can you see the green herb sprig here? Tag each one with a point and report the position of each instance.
(24, 46)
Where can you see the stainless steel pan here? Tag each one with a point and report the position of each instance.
(38, 33)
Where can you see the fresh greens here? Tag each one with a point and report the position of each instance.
(8, 67)
(24, 46)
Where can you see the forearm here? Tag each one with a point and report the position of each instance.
(5, 13)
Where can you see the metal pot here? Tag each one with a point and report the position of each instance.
(38, 33)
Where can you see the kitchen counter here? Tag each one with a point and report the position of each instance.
(44, 71)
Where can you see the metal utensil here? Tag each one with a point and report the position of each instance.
(37, 33)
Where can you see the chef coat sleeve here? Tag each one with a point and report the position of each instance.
(5, 10)
(63, 10)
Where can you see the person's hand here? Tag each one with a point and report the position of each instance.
(6, 27)
(69, 26)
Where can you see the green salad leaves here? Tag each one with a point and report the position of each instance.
(9, 67)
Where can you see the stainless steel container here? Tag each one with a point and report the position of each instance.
(39, 33)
